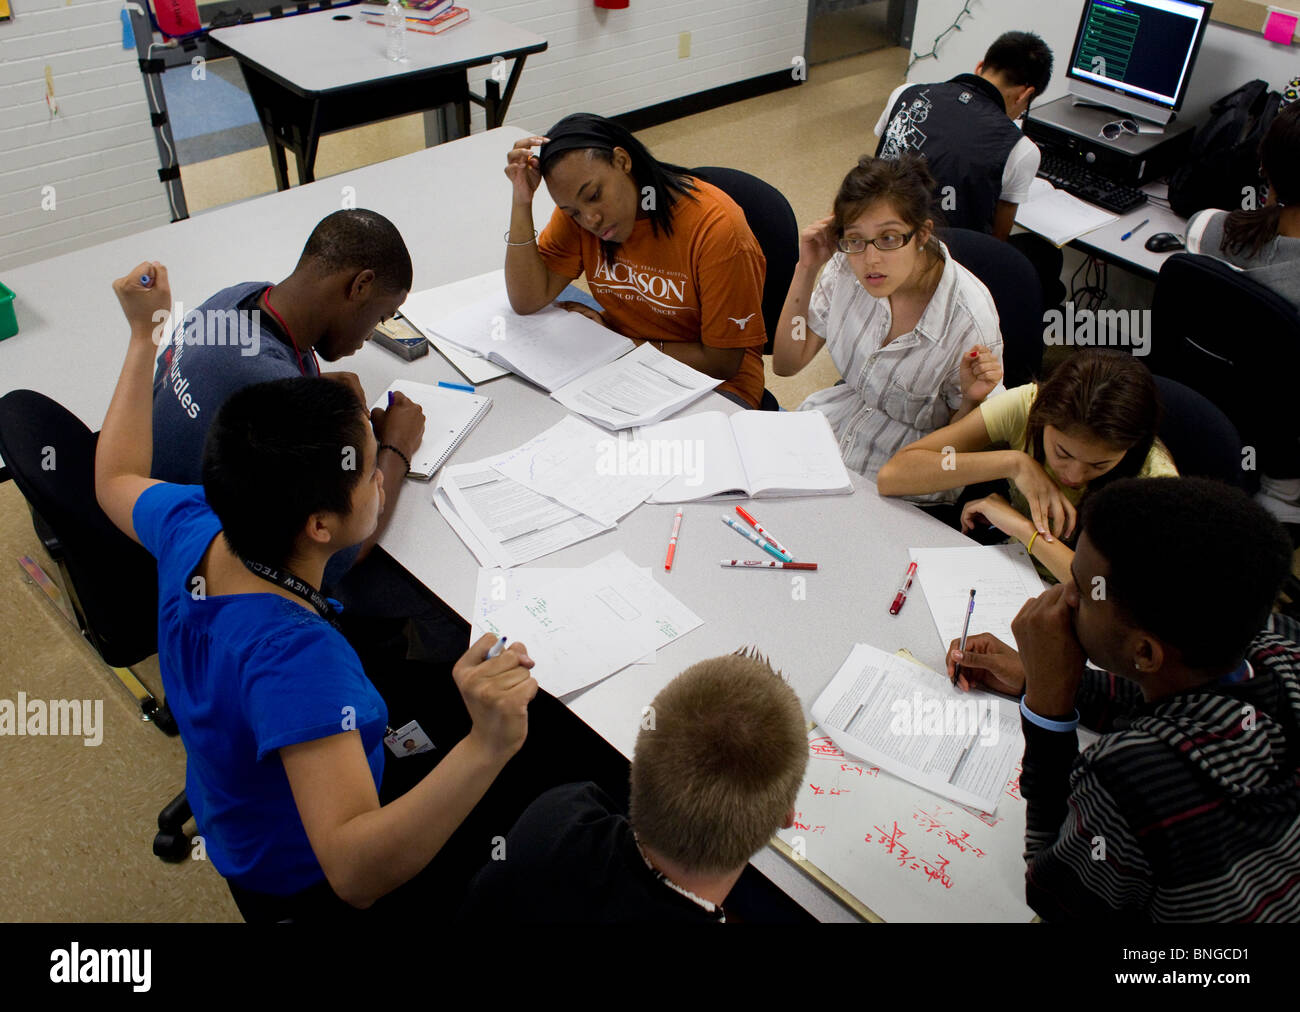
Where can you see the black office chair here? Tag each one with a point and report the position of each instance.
(1017, 295)
(110, 581)
(1201, 438)
(773, 223)
(1236, 343)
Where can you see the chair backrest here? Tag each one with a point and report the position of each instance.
(1201, 438)
(51, 455)
(1017, 295)
(773, 223)
(1238, 344)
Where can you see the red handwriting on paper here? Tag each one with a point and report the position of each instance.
(816, 789)
(1013, 785)
(933, 822)
(936, 871)
(825, 747)
(806, 827)
(838, 790)
(860, 771)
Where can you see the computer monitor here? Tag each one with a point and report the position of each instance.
(1136, 56)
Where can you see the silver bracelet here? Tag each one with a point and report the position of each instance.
(524, 243)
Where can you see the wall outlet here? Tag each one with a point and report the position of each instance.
(684, 46)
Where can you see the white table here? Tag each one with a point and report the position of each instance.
(1132, 254)
(311, 74)
(72, 338)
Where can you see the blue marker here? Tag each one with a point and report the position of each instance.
(456, 386)
(762, 542)
(146, 280)
(390, 398)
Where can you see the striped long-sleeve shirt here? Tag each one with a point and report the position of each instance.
(1186, 809)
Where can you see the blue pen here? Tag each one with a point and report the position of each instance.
(1132, 230)
(965, 630)
(762, 542)
(146, 280)
(456, 386)
(390, 398)
(497, 647)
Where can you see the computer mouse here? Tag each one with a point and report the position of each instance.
(1163, 242)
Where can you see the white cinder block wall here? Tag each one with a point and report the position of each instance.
(611, 62)
(101, 159)
(98, 153)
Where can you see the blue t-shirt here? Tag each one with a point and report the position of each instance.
(245, 675)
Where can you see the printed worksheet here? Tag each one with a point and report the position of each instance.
(592, 622)
(642, 387)
(909, 720)
(503, 522)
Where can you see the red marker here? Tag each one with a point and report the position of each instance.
(759, 527)
(901, 596)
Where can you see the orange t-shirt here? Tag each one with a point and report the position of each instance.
(704, 283)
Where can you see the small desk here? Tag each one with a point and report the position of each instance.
(1132, 254)
(313, 74)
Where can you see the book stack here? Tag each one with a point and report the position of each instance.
(430, 16)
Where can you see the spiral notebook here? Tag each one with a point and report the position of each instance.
(449, 415)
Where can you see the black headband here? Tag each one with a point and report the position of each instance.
(577, 132)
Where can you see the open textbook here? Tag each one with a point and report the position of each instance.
(754, 454)
(551, 347)
(910, 721)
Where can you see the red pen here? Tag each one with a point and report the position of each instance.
(672, 540)
(901, 596)
(759, 527)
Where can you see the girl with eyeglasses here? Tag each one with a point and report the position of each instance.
(913, 333)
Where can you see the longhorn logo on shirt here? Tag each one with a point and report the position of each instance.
(741, 323)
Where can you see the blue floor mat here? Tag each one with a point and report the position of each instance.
(202, 107)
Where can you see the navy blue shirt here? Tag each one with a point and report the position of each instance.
(245, 675)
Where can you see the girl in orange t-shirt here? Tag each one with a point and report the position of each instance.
(668, 257)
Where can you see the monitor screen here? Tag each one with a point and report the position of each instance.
(1142, 49)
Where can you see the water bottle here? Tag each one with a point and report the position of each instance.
(395, 28)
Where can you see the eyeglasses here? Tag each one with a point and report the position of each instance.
(888, 241)
(1117, 127)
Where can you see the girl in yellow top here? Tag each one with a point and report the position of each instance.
(1093, 420)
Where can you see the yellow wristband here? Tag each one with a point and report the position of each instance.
(1030, 547)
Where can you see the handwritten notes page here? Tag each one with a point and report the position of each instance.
(592, 622)
(1003, 577)
(578, 465)
(503, 522)
(497, 588)
(910, 721)
(642, 387)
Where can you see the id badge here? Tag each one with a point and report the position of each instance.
(408, 739)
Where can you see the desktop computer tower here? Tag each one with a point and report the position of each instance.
(1073, 132)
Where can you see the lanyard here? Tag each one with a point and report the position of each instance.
(266, 297)
(294, 585)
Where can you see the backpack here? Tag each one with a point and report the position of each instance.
(1224, 155)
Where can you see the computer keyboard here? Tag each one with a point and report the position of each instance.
(1087, 185)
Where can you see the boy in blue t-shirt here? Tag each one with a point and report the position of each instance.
(282, 729)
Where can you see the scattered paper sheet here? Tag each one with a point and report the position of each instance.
(910, 721)
(642, 387)
(580, 466)
(1057, 216)
(425, 309)
(503, 522)
(497, 588)
(1003, 577)
(592, 622)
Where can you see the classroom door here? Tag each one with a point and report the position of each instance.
(840, 28)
